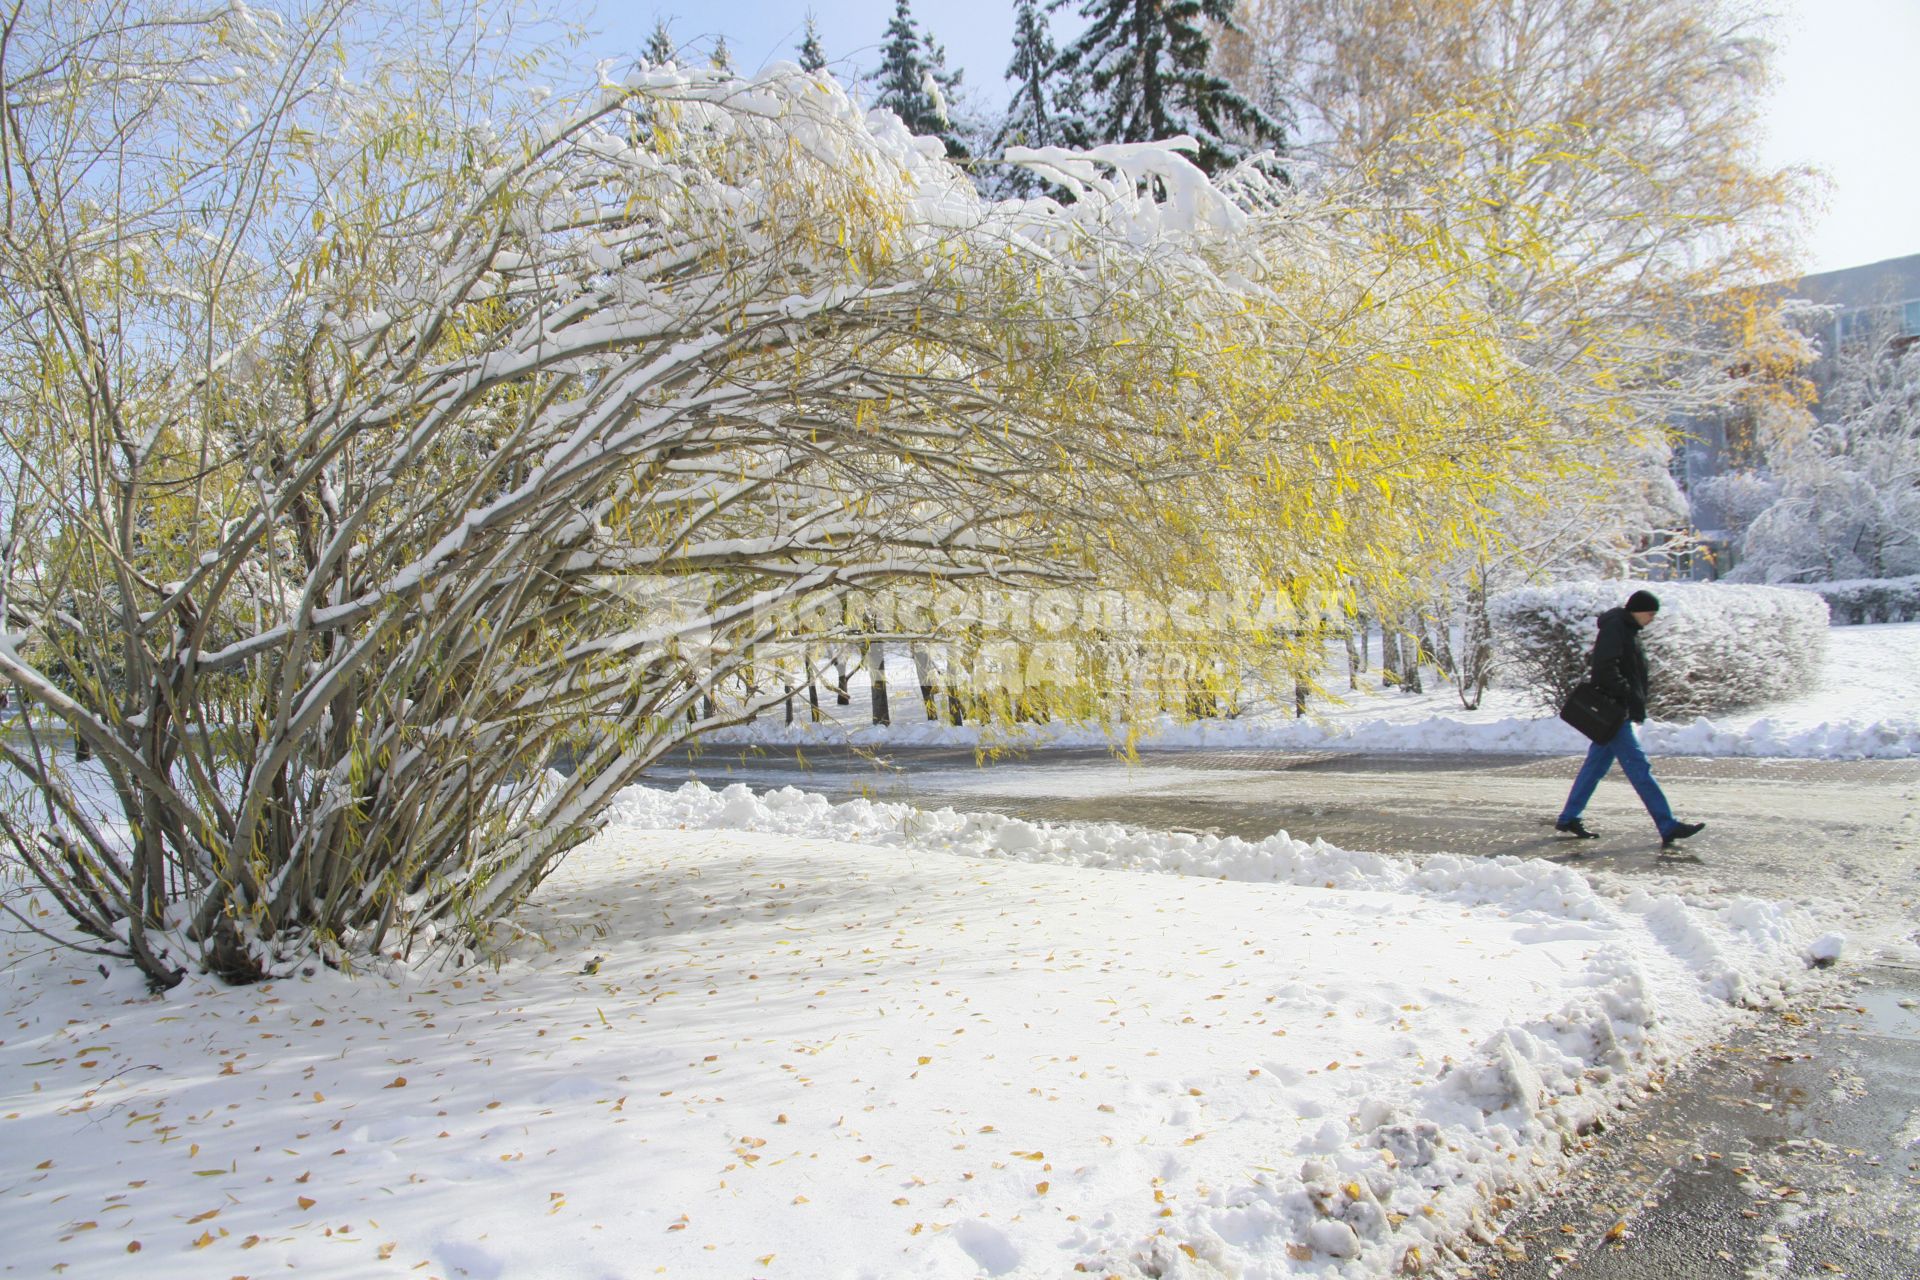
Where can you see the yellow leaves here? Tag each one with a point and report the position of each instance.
(305, 1202)
(204, 1239)
(398, 1082)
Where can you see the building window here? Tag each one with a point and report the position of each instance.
(1879, 323)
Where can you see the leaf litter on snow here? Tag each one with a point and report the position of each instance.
(859, 1039)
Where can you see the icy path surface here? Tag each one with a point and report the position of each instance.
(864, 1041)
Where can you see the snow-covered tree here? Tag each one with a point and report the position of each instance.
(1599, 156)
(1849, 492)
(813, 56)
(913, 81)
(721, 59)
(1148, 76)
(1738, 498)
(1030, 119)
(660, 48)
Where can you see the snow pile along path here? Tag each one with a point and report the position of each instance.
(768, 1036)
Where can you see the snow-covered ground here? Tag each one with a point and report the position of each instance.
(762, 1036)
(1866, 705)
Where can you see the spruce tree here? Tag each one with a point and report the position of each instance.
(722, 59)
(1030, 120)
(812, 56)
(1043, 110)
(1145, 64)
(913, 81)
(659, 50)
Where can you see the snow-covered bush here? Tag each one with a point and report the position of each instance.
(1712, 648)
(1859, 600)
(447, 453)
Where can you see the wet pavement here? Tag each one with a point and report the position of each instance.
(1790, 1150)
(1775, 828)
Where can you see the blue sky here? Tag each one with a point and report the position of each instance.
(977, 36)
(1846, 75)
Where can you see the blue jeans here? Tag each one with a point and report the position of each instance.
(1625, 747)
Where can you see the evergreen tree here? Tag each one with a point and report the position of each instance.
(722, 59)
(659, 48)
(1146, 69)
(913, 81)
(812, 56)
(1030, 120)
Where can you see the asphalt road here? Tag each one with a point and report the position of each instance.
(1791, 1150)
(1777, 828)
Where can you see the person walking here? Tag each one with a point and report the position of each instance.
(1620, 670)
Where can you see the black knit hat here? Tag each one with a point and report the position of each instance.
(1643, 602)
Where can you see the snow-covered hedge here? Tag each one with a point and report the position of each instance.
(1856, 600)
(1713, 648)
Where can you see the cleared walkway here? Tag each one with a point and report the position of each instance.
(1776, 828)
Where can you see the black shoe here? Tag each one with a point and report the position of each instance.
(1681, 830)
(1576, 828)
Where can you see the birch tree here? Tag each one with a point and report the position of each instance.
(1596, 161)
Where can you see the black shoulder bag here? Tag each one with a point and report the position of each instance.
(1594, 712)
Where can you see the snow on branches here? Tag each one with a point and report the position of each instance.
(540, 437)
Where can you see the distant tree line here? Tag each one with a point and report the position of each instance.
(1141, 71)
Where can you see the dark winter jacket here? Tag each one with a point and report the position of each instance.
(1620, 664)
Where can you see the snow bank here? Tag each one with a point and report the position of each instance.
(1439, 733)
(1864, 704)
(739, 1045)
(1776, 938)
